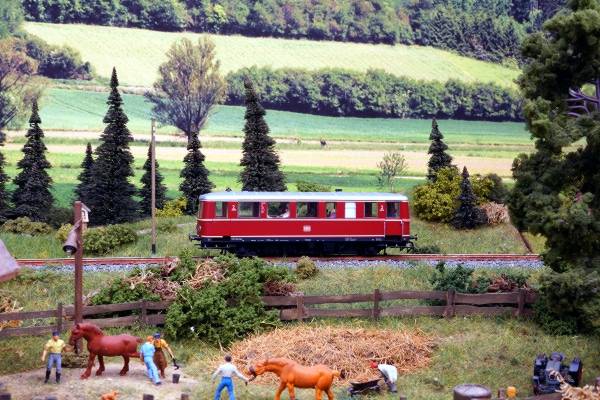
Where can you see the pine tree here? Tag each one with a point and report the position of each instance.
(85, 177)
(111, 194)
(439, 158)
(3, 179)
(467, 215)
(146, 190)
(260, 162)
(32, 197)
(195, 175)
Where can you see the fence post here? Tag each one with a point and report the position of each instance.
(59, 318)
(144, 313)
(450, 306)
(521, 302)
(299, 307)
(376, 309)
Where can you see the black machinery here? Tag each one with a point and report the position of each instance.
(364, 387)
(544, 382)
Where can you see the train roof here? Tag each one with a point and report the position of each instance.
(299, 196)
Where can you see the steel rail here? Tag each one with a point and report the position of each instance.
(31, 262)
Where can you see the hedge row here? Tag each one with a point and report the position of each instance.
(375, 93)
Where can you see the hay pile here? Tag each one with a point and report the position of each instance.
(8, 304)
(342, 349)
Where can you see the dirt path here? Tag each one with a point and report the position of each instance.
(30, 385)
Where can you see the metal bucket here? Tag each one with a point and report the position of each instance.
(176, 378)
(472, 392)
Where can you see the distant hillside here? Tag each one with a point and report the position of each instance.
(137, 54)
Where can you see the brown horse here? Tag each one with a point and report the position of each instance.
(100, 345)
(293, 375)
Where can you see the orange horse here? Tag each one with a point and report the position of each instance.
(293, 375)
(100, 345)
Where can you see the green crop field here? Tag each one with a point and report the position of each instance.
(137, 54)
(77, 110)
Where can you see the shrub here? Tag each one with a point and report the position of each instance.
(63, 232)
(185, 267)
(458, 278)
(495, 213)
(498, 191)
(167, 227)
(304, 186)
(173, 208)
(306, 268)
(120, 291)
(58, 62)
(25, 226)
(59, 216)
(428, 249)
(437, 201)
(104, 239)
(228, 310)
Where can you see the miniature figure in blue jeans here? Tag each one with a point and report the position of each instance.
(227, 371)
(53, 349)
(147, 356)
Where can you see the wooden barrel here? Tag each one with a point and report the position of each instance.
(472, 392)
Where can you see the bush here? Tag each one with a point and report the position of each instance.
(173, 208)
(59, 216)
(569, 302)
(429, 249)
(185, 267)
(304, 186)
(458, 278)
(63, 232)
(167, 227)
(58, 62)
(120, 291)
(498, 192)
(306, 268)
(25, 226)
(495, 213)
(104, 239)
(437, 201)
(229, 310)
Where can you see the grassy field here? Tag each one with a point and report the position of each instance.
(137, 54)
(496, 352)
(75, 110)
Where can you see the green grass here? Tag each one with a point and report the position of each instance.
(77, 110)
(137, 53)
(496, 352)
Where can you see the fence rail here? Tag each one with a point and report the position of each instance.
(292, 308)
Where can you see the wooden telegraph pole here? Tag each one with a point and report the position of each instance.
(153, 183)
(78, 220)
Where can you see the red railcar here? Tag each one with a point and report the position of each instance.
(272, 223)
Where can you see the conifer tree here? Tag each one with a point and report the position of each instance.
(111, 194)
(32, 197)
(467, 215)
(85, 177)
(195, 175)
(439, 158)
(3, 179)
(260, 162)
(146, 190)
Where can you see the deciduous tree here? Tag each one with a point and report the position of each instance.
(83, 189)
(390, 168)
(111, 196)
(146, 190)
(32, 197)
(439, 158)
(188, 87)
(260, 162)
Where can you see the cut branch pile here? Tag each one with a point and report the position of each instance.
(207, 270)
(342, 349)
(504, 283)
(569, 392)
(279, 288)
(166, 289)
(8, 304)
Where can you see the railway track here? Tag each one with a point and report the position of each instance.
(30, 262)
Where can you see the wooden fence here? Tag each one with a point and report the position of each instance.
(292, 308)
(455, 304)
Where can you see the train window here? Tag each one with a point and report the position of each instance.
(278, 210)
(249, 210)
(393, 210)
(370, 210)
(220, 209)
(306, 210)
(330, 210)
(200, 209)
(350, 210)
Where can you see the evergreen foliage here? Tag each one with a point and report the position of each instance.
(195, 175)
(82, 191)
(260, 162)
(3, 179)
(111, 196)
(467, 215)
(32, 197)
(439, 158)
(557, 191)
(146, 190)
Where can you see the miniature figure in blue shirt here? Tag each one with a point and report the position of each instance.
(147, 354)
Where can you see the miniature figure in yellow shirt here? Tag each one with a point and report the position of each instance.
(159, 356)
(54, 347)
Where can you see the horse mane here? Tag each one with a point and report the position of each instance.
(278, 361)
(91, 328)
